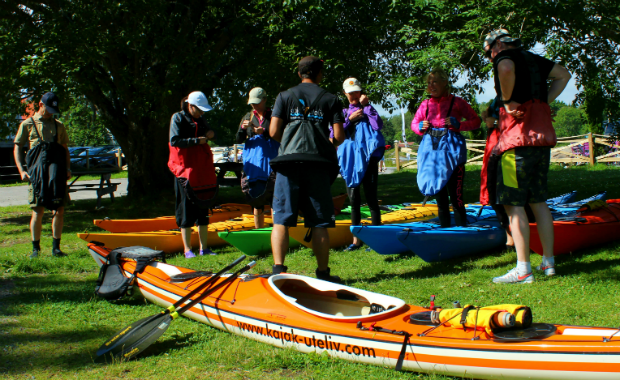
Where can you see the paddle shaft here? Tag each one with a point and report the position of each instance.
(205, 284)
(230, 279)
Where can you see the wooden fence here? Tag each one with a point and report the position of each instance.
(573, 150)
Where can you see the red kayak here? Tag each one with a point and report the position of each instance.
(582, 230)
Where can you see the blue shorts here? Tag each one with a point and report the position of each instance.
(305, 187)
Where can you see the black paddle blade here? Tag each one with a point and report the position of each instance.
(128, 336)
(144, 337)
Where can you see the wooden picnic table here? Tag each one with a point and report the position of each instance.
(225, 167)
(105, 186)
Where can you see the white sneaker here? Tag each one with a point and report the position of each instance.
(512, 277)
(549, 269)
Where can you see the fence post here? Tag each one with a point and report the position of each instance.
(592, 150)
(397, 154)
(87, 160)
(119, 153)
(235, 153)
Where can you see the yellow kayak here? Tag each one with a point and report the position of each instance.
(170, 241)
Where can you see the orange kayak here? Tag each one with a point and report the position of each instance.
(170, 241)
(341, 235)
(582, 230)
(224, 212)
(310, 315)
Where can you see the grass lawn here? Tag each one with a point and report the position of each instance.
(51, 323)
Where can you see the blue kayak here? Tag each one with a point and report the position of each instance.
(438, 244)
(384, 239)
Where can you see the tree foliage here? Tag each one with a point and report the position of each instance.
(134, 60)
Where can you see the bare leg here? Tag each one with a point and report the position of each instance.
(356, 240)
(57, 223)
(320, 247)
(279, 243)
(520, 228)
(259, 218)
(544, 224)
(186, 235)
(203, 233)
(36, 223)
(509, 239)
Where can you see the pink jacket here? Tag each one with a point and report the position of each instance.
(437, 109)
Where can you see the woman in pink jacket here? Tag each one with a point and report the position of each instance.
(444, 110)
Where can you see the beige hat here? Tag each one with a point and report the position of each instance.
(257, 95)
(499, 34)
(350, 85)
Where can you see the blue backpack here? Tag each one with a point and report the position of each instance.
(440, 152)
(257, 154)
(355, 152)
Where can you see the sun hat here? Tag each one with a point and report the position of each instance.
(499, 34)
(256, 95)
(350, 85)
(199, 100)
(50, 100)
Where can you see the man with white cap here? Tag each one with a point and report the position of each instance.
(43, 127)
(191, 162)
(525, 141)
(259, 148)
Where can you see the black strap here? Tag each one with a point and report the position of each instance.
(37, 130)
(449, 109)
(466, 310)
(403, 352)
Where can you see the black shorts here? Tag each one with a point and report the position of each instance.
(522, 176)
(187, 213)
(305, 187)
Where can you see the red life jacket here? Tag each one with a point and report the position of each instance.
(195, 164)
(492, 140)
(533, 129)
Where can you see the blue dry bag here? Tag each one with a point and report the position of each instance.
(355, 152)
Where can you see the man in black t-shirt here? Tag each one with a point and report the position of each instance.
(525, 143)
(305, 164)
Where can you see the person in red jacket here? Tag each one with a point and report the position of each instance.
(524, 142)
(191, 162)
(444, 110)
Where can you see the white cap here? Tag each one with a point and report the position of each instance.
(256, 95)
(199, 100)
(350, 85)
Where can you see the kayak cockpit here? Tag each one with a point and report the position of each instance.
(332, 301)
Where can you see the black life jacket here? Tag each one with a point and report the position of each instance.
(112, 284)
(47, 168)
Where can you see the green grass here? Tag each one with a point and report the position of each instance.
(51, 323)
(121, 174)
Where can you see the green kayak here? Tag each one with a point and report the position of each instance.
(253, 242)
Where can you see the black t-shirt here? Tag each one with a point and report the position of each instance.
(328, 110)
(522, 91)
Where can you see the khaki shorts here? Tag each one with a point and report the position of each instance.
(34, 201)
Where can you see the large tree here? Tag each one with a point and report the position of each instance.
(135, 60)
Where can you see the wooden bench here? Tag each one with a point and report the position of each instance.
(105, 186)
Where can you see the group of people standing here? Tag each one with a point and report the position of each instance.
(309, 138)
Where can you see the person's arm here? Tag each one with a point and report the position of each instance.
(559, 77)
(69, 174)
(18, 154)
(176, 140)
(242, 132)
(373, 117)
(338, 134)
(471, 122)
(276, 128)
(419, 117)
(506, 74)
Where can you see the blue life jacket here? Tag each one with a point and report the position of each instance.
(440, 152)
(355, 152)
(257, 153)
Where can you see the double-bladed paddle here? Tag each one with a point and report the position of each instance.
(144, 332)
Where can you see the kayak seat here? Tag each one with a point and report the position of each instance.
(330, 300)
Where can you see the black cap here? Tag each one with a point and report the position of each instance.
(50, 100)
(310, 65)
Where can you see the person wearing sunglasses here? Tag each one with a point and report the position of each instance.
(526, 136)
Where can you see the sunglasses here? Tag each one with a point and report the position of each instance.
(488, 51)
